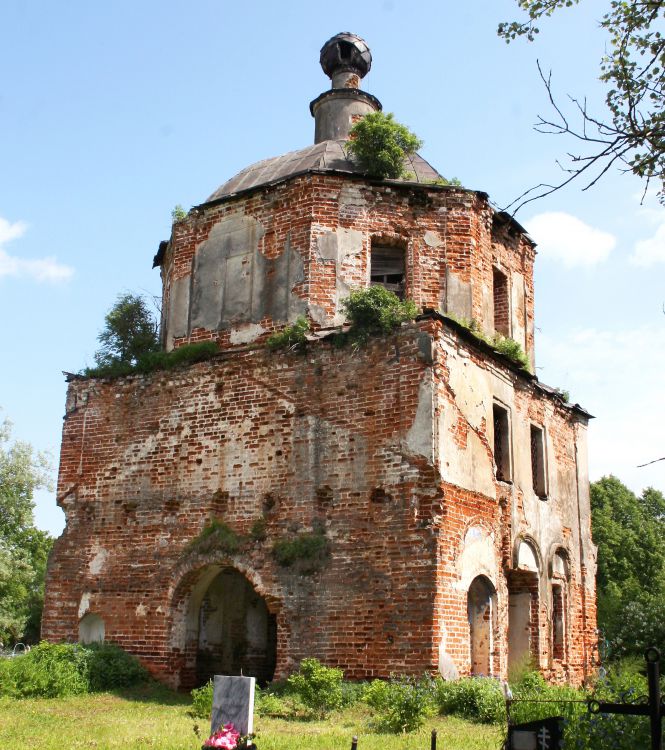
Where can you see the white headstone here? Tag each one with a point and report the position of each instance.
(233, 702)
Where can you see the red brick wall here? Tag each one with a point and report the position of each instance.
(314, 440)
(442, 229)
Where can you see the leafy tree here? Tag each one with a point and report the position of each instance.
(130, 331)
(633, 136)
(23, 548)
(381, 145)
(630, 534)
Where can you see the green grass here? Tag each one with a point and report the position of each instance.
(153, 717)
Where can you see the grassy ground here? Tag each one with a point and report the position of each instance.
(153, 717)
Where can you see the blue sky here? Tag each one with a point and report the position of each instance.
(111, 114)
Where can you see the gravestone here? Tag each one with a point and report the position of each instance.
(233, 702)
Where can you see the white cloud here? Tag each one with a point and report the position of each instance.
(39, 269)
(652, 250)
(618, 377)
(566, 239)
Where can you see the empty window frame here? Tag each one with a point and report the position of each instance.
(502, 457)
(501, 306)
(538, 470)
(387, 268)
(558, 621)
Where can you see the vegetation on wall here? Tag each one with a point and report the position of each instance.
(374, 311)
(381, 145)
(216, 536)
(290, 337)
(130, 332)
(152, 361)
(503, 344)
(305, 552)
(178, 214)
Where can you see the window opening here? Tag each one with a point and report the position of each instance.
(558, 622)
(501, 307)
(502, 444)
(345, 51)
(387, 269)
(538, 461)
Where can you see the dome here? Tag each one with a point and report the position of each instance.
(326, 156)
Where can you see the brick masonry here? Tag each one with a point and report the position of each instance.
(387, 450)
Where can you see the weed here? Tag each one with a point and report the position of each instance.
(402, 704)
(291, 337)
(476, 698)
(508, 347)
(153, 361)
(178, 214)
(258, 531)
(216, 536)
(305, 551)
(202, 701)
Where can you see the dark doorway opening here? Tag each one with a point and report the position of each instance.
(236, 632)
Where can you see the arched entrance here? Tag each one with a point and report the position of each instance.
(523, 606)
(236, 632)
(481, 608)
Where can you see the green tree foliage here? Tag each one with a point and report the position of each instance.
(633, 68)
(381, 145)
(23, 548)
(130, 332)
(630, 534)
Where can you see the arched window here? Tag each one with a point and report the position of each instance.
(91, 629)
(559, 589)
(523, 608)
(481, 608)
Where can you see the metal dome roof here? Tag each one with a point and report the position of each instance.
(327, 156)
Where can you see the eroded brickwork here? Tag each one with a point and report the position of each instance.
(350, 444)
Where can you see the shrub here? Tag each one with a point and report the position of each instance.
(381, 145)
(291, 337)
(202, 701)
(319, 687)
(401, 704)
(306, 551)
(479, 699)
(110, 667)
(375, 311)
(53, 670)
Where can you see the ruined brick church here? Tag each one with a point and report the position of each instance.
(417, 504)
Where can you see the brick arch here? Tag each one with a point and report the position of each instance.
(533, 544)
(189, 584)
(557, 548)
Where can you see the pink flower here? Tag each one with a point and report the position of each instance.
(227, 738)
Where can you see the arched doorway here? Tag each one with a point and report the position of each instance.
(236, 632)
(481, 608)
(523, 609)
